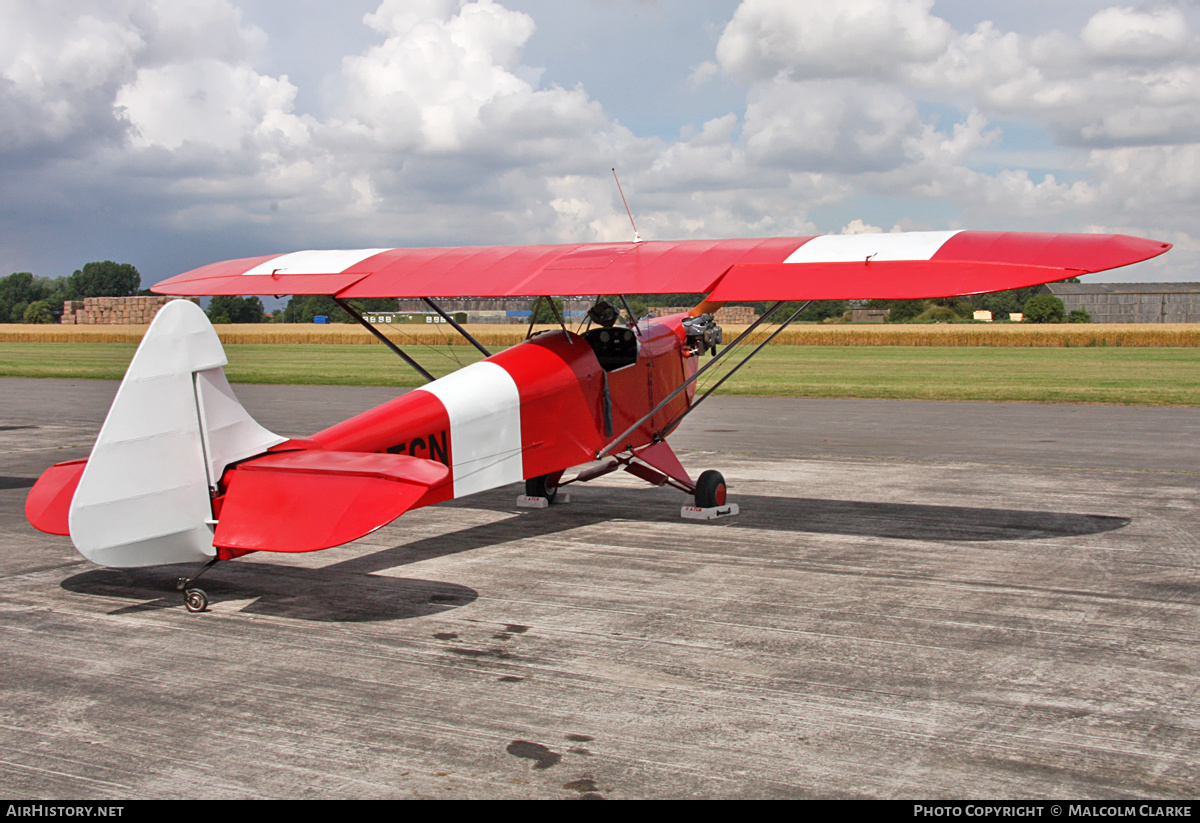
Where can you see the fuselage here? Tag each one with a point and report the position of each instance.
(538, 408)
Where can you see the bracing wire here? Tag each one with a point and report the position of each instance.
(717, 374)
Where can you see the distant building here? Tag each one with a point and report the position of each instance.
(1132, 302)
(496, 309)
(868, 315)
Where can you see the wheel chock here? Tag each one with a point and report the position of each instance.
(711, 513)
(530, 501)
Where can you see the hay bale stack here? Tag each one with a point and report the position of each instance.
(115, 311)
(725, 316)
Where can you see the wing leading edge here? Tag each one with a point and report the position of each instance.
(894, 265)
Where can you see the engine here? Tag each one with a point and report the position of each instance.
(703, 333)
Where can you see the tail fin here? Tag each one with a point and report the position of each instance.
(144, 496)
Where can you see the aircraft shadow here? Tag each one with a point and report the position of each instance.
(903, 521)
(915, 521)
(349, 591)
(277, 591)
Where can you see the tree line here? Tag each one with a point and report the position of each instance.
(301, 308)
(1036, 305)
(1033, 302)
(25, 298)
(28, 299)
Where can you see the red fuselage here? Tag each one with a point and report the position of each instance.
(535, 409)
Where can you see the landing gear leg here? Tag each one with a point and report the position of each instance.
(194, 599)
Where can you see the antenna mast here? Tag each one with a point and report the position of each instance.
(637, 238)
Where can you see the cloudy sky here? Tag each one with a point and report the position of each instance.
(173, 133)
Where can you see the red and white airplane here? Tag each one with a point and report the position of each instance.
(181, 473)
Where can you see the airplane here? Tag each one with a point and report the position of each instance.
(181, 473)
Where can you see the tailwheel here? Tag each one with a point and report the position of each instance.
(195, 600)
(710, 490)
(542, 487)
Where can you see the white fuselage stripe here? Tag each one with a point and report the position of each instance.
(321, 261)
(855, 248)
(484, 407)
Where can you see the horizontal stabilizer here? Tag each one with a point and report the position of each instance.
(49, 502)
(303, 501)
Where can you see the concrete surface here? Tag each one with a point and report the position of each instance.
(931, 600)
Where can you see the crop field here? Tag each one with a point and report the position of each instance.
(1019, 335)
(867, 362)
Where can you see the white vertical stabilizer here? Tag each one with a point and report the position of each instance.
(143, 499)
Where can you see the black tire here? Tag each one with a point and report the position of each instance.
(195, 600)
(710, 490)
(540, 487)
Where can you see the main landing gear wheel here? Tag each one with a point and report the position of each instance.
(195, 600)
(710, 490)
(541, 487)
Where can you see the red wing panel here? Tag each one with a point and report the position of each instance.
(258, 284)
(667, 267)
(932, 264)
(49, 501)
(659, 267)
(310, 500)
(495, 271)
(889, 280)
(1086, 252)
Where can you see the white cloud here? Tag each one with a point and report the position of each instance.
(831, 125)
(1158, 181)
(849, 38)
(853, 115)
(424, 87)
(207, 102)
(857, 226)
(58, 71)
(65, 66)
(1126, 33)
(184, 31)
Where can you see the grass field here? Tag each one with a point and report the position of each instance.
(1158, 376)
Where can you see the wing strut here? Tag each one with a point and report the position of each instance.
(632, 317)
(383, 339)
(678, 418)
(533, 317)
(457, 328)
(613, 446)
(557, 316)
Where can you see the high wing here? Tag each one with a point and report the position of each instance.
(897, 265)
